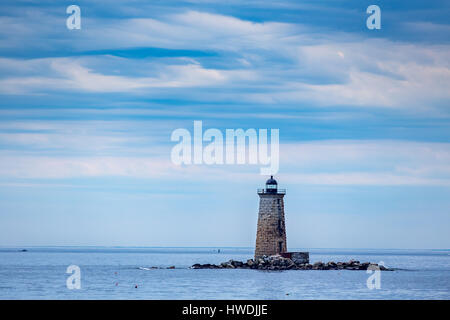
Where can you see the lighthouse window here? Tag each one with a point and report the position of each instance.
(280, 246)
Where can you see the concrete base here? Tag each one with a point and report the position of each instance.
(297, 257)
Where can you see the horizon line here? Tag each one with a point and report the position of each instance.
(212, 247)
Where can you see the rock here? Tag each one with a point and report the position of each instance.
(277, 262)
(237, 264)
(291, 266)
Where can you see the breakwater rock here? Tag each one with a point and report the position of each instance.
(277, 262)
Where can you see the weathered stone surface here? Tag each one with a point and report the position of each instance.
(271, 231)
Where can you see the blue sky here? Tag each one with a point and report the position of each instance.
(86, 119)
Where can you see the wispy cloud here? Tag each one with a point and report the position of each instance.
(274, 62)
(70, 75)
(320, 163)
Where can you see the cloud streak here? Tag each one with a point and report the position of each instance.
(71, 75)
(320, 163)
(271, 62)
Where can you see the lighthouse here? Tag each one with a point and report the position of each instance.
(271, 233)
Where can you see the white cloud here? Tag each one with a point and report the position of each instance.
(64, 167)
(325, 162)
(70, 74)
(191, 30)
(380, 162)
(376, 73)
(272, 62)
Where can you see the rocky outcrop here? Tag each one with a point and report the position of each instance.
(277, 262)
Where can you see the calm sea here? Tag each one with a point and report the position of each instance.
(126, 273)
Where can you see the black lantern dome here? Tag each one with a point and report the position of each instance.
(271, 181)
(271, 185)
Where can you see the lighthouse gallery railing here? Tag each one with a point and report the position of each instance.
(265, 191)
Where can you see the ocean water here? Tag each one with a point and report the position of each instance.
(125, 273)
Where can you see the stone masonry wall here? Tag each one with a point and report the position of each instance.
(271, 234)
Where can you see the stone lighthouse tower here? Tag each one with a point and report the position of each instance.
(271, 234)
